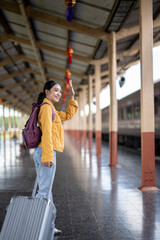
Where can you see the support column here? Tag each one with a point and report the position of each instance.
(74, 127)
(14, 124)
(80, 117)
(147, 97)
(3, 124)
(90, 123)
(21, 126)
(23, 120)
(77, 124)
(84, 102)
(9, 125)
(18, 126)
(98, 123)
(113, 101)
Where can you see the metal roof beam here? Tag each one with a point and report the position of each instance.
(102, 61)
(47, 75)
(123, 33)
(62, 52)
(12, 75)
(81, 75)
(16, 85)
(40, 45)
(18, 73)
(55, 20)
(8, 61)
(128, 52)
(118, 69)
(74, 26)
(31, 71)
(105, 60)
(126, 32)
(61, 22)
(31, 60)
(61, 80)
(18, 99)
(106, 80)
(31, 38)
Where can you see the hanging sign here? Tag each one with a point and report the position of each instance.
(67, 87)
(69, 11)
(69, 52)
(68, 74)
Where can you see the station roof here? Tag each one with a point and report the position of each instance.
(34, 36)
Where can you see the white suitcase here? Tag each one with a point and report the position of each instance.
(29, 218)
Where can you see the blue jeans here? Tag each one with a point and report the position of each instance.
(43, 173)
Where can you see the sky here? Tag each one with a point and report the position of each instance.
(132, 83)
(132, 80)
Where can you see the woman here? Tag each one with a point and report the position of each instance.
(52, 139)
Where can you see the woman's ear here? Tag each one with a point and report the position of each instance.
(46, 92)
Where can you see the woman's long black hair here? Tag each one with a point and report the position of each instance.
(48, 85)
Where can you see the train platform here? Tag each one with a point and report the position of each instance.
(94, 201)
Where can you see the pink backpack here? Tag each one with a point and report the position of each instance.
(32, 133)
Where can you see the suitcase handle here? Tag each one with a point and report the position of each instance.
(51, 182)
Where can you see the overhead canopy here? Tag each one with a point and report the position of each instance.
(34, 36)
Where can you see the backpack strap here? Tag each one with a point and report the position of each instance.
(53, 113)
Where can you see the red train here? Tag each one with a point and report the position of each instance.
(129, 124)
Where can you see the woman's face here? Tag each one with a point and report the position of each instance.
(54, 94)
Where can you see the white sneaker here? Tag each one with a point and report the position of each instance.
(57, 232)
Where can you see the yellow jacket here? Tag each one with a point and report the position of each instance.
(52, 132)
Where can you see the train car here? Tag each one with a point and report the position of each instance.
(129, 124)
